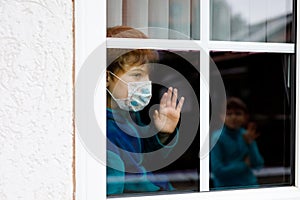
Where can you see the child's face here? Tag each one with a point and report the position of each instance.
(235, 118)
(131, 74)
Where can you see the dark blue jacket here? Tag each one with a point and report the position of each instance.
(127, 140)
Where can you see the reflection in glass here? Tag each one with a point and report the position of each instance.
(252, 20)
(180, 17)
(263, 82)
(159, 19)
(114, 18)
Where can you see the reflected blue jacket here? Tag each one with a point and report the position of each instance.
(229, 150)
(127, 140)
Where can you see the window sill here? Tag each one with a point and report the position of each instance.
(275, 193)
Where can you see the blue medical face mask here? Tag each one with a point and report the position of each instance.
(139, 95)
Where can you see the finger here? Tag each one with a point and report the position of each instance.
(169, 97)
(163, 100)
(174, 98)
(179, 106)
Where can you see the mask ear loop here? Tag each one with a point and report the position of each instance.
(110, 94)
(120, 80)
(118, 77)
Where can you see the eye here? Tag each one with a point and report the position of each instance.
(238, 113)
(137, 75)
(229, 113)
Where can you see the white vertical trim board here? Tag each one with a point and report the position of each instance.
(90, 32)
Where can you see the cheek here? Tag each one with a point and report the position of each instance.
(120, 91)
(228, 120)
(241, 120)
(146, 78)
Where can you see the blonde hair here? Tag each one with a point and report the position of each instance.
(118, 58)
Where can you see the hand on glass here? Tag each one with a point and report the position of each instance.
(167, 117)
(251, 133)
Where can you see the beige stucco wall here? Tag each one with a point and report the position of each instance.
(36, 55)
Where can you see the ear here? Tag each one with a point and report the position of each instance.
(108, 78)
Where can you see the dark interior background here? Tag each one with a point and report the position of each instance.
(187, 64)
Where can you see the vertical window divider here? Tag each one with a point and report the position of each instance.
(297, 128)
(204, 97)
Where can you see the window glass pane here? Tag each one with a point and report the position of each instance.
(253, 146)
(159, 19)
(252, 20)
(148, 152)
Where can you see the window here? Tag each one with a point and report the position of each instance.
(252, 20)
(174, 165)
(164, 19)
(236, 46)
(262, 81)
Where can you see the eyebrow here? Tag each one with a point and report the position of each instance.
(138, 69)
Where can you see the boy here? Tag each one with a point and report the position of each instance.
(128, 92)
(235, 152)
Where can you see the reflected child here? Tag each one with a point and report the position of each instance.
(234, 152)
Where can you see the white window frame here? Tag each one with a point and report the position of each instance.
(90, 32)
